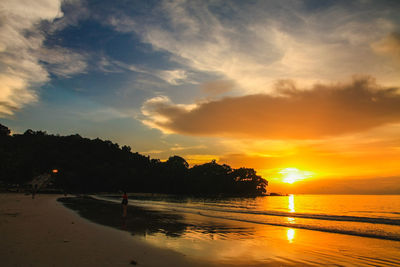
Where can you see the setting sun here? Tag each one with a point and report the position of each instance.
(291, 175)
(200, 133)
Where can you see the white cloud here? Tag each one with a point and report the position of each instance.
(20, 70)
(22, 51)
(173, 77)
(259, 44)
(13, 94)
(62, 61)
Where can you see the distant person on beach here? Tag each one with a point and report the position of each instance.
(124, 204)
(34, 189)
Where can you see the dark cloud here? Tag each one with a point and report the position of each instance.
(323, 110)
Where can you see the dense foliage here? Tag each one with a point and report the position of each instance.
(87, 165)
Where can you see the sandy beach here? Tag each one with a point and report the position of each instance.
(42, 232)
(46, 232)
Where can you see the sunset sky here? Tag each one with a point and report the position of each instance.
(305, 92)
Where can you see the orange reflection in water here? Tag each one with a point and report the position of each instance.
(291, 203)
(290, 235)
(291, 220)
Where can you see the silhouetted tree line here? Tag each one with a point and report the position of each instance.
(94, 165)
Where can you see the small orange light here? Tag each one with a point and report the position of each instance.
(55, 171)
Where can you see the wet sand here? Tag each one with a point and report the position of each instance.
(43, 232)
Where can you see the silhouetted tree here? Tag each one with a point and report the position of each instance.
(87, 165)
(4, 131)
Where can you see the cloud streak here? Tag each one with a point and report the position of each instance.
(266, 41)
(19, 66)
(293, 113)
(63, 62)
(25, 63)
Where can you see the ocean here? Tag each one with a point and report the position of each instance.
(330, 229)
(376, 216)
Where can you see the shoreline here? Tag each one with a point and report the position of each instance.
(89, 232)
(138, 222)
(245, 243)
(42, 232)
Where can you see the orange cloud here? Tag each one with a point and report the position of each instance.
(323, 110)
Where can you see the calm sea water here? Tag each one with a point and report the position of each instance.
(376, 216)
(295, 230)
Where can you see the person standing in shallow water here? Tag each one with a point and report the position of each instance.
(124, 204)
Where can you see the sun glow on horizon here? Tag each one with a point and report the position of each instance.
(291, 175)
